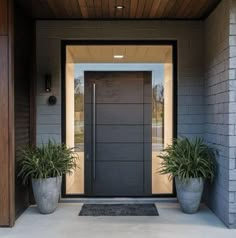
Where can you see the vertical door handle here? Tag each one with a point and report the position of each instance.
(94, 131)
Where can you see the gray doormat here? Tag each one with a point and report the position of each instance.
(119, 210)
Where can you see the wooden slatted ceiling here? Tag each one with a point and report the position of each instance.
(106, 9)
(132, 54)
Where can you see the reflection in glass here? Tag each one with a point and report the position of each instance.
(159, 59)
(162, 128)
(79, 113)
(75, 125)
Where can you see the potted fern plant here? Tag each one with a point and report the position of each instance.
(44, 166)
(190, 163)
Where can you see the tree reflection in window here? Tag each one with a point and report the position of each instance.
(158, 115)
(79, 112)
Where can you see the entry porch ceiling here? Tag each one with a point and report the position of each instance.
(106, 9)
(131, 53)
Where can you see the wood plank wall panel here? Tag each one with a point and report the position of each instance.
(105, 9)
(6, 116)
(22, 68)
(3, 17)
(11, 142)
(4, 133)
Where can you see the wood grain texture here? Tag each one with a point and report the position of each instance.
(7, 150)
(3, 17)
(4, 133)
(105, 9)
(11, 143)
(132, 54)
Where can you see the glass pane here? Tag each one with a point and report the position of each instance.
(75, 123)
(162, 123)
(158, 59)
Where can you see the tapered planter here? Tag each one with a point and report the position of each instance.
(189, 194)
(47, 193)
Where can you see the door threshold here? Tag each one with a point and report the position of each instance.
(119, 200)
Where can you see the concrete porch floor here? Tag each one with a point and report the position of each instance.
(65, 222)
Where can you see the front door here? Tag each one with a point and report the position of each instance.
(118, 112)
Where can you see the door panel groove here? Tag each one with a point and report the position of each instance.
(120, 140)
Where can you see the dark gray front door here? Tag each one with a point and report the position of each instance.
(118, 133)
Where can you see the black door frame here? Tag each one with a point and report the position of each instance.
(65, 43)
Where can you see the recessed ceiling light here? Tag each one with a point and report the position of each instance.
(118, 56)
(119, 7)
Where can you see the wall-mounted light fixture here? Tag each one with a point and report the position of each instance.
(48, 82)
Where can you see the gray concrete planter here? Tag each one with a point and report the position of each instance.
(47, 193)
(189, 194)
